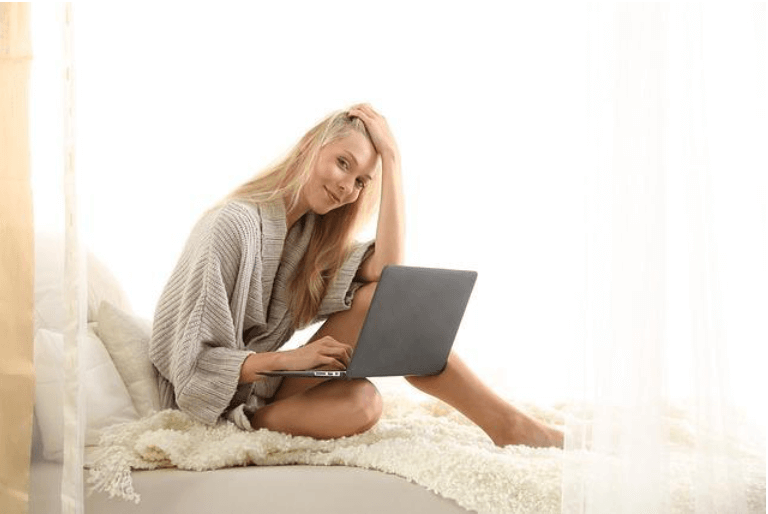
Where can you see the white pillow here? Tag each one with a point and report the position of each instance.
(126, 338)
(106, 399)
(50, 311)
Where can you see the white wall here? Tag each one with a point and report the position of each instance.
(175, 107)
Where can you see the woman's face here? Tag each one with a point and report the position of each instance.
(342, 170)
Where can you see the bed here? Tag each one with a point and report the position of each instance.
(119, 390)
(422, 456)
(289, 489)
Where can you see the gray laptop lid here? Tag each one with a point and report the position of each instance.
(412, 322)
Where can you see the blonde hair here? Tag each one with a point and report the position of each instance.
(333, 235)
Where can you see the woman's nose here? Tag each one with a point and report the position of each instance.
(345, 194)
(345, 187)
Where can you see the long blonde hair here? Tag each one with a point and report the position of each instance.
(334, 233)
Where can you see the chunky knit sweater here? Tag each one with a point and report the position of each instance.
(227, 298)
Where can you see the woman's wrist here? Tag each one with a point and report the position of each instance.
(391, 156)
(256, 363)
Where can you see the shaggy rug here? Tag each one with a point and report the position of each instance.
(425, 442)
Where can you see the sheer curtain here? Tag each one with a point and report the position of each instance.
(668, 248)
(75, 286)
(60, 304)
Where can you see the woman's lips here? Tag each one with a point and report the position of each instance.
(332, 196)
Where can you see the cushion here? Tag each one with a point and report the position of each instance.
(50, 311)
(106, 398)
(126, 338)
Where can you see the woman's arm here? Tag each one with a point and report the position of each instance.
(390, 229)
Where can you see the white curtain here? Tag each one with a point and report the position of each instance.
(75, 287)
(60, 264)
(660, 261)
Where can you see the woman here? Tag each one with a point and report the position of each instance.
(277, 255)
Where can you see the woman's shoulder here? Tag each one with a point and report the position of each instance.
(235, 209)
(232, 223)
(231, 214)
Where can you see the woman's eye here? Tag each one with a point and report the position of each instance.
(343, 163)
(360, 183)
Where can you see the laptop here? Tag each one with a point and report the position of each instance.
(410, 326)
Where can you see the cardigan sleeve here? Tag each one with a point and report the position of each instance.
(194, 343)
(342, 289)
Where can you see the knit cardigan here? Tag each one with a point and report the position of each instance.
(231, 284)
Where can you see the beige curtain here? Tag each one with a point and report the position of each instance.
(17, 377)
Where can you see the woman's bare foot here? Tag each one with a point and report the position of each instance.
(460, 388)
(522, 429)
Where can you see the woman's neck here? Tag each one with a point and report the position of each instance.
(295, 214)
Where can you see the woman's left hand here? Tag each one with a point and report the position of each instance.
(377, 126)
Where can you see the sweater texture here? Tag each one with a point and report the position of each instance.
(228, 297)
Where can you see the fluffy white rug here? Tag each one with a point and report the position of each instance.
(425, 442)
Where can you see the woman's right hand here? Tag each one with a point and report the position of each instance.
(324, 353)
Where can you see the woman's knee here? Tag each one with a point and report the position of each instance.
(331, 409)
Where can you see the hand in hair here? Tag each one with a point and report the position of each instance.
(376, 124)
(390, 230)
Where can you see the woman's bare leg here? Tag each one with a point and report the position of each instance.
(335, 408)
(321, 407)
(459, 387)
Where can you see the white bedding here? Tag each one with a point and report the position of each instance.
(427, 443)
